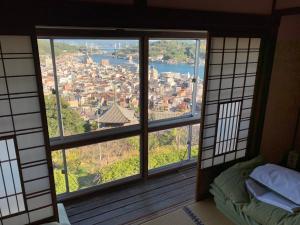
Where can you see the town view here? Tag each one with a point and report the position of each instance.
(98, 87)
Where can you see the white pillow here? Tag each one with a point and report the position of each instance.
(270, 197)
(282, 180)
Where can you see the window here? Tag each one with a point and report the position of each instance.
(11, 193)
(93, 90)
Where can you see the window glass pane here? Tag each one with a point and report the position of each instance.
(104, 162)
(58, 168)
(98, 82)
(171, 69)
(48, 86)
(195, 140)
(167, 147)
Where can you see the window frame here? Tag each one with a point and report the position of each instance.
(144, 126)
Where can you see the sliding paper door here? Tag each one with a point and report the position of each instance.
(228, 99)
(26, 187)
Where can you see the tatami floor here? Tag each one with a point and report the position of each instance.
(205, 210)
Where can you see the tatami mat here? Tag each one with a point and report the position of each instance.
(205, 210)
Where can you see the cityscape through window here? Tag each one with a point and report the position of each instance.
(93, 90)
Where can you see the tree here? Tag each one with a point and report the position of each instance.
(72, 121)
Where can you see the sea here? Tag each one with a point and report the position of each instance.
(182, 68)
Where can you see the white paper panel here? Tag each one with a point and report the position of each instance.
(237, 92)
(243, 43)
(216, 58)
(37, 185)
(211, 109)
(214, 70)
(28, 121)
(253, 56)
(16, 220)
(3, 89)
(6, 124)
(210, 119)
(4, 108)
(34, 154)
(218, 160)
(246, 113)
(4, 207)
(252, 67)
(212, 96)
(206, 163)
(226, 83)
(25, 105)
(244, 124)
(240, 154)
(225, 94)
(1, 68)
(228, 69)
(208, 142)
(247, 103)
(209, 132)
(41, 213)
(13, 205)
(8, 179)
(241, 57)
(39, 201)
(250, 81)
(213, 84)
(230, 43)
(16, 44)
(229, 157)
(207, 154)
(255, 43)
(30, 140)
(240, 68)
(217, 43)
(35, 172)
(3, 153)
(11, 148)
(21, 84)
(15, 67)
(229, 57)
(239, 82)
(242, 145)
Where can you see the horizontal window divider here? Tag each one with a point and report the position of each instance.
(172, 123)
(103, 187)
(94, 137)
(172, 167)
(115, 33)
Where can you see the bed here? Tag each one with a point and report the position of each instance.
(233, 200)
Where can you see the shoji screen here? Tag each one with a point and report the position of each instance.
(26, 195)
(228, 102)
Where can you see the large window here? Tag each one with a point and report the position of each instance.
(99, 93)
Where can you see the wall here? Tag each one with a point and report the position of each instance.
(284, 94)
(237, 6)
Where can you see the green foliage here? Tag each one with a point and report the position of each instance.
(59, 47)
(180, 51)
(72, 121)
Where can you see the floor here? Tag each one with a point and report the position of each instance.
(138, 203)
(205, 210)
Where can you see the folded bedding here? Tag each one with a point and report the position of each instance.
(232, 181)
(281, 180)
(266, 195)
(264, 213)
